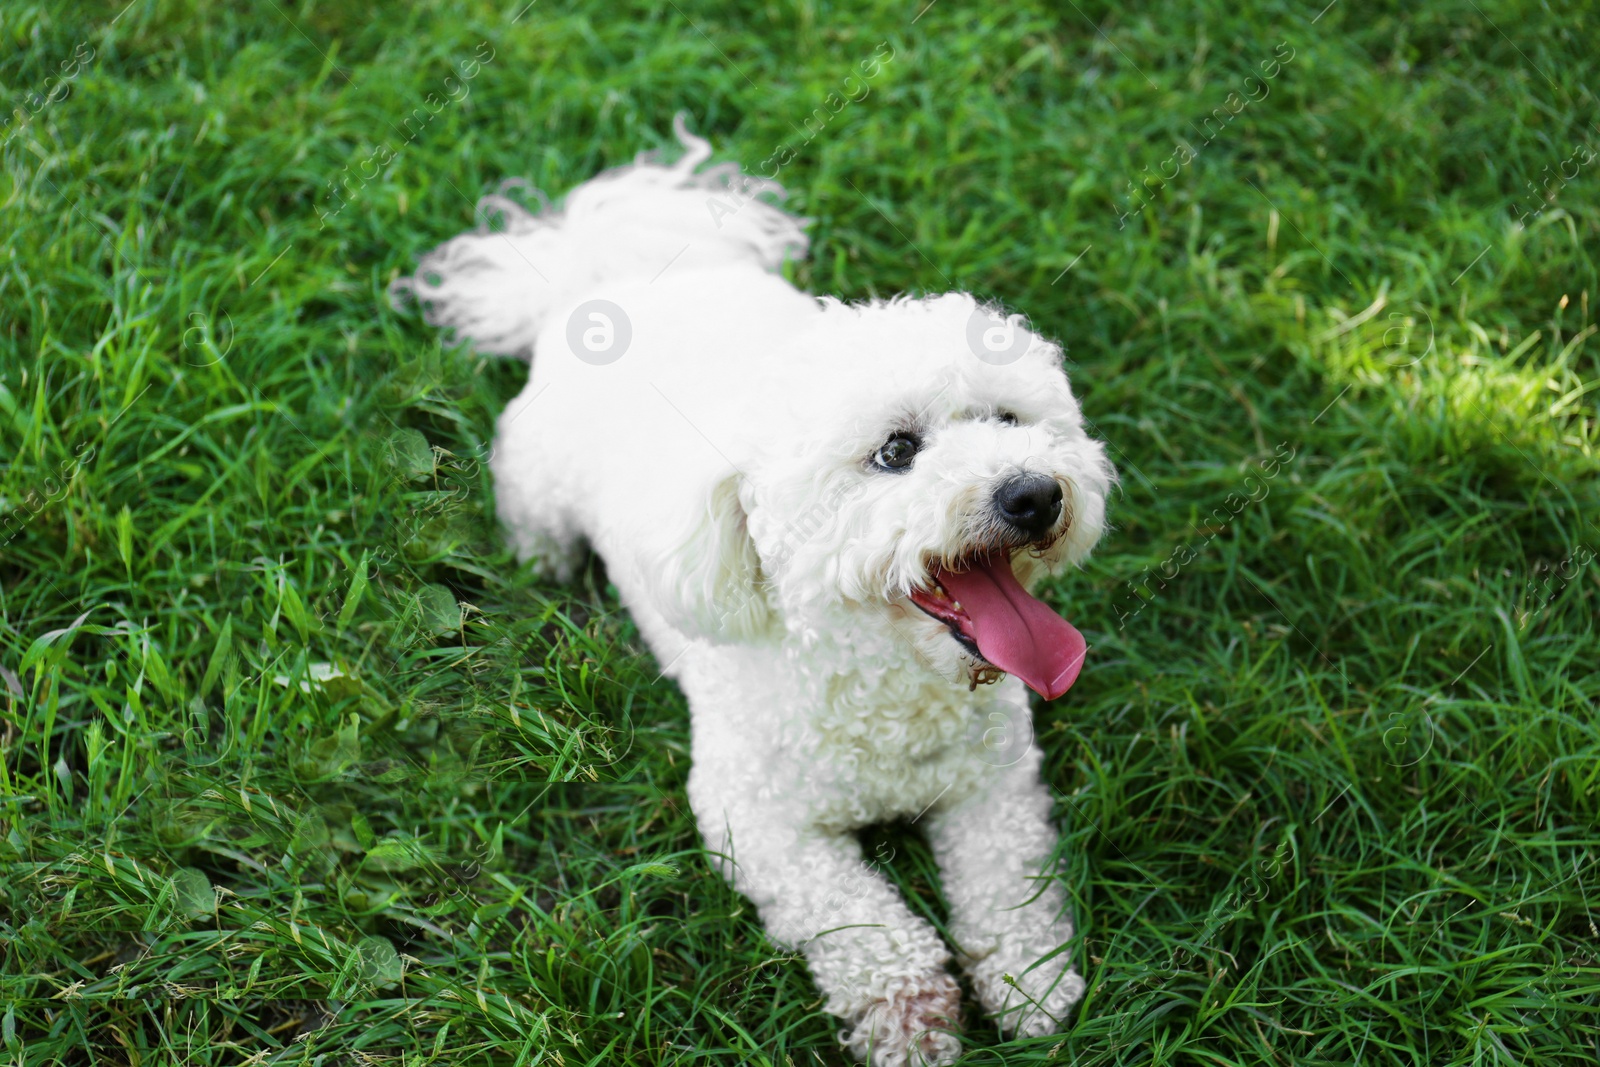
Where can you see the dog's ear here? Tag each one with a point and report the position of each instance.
(711, 586)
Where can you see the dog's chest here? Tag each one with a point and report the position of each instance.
(842, 740)
(891, 750)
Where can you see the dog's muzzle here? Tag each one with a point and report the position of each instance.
(1029, 504)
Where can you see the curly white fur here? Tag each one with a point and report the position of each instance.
(722, 467)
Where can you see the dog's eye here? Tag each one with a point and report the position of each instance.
(897, 452)
(1007, 417)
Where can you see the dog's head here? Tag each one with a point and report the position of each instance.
(933, 467)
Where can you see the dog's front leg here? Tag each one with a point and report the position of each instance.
(881, 968)
(1008, 913)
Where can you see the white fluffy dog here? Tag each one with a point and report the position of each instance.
(824, 519)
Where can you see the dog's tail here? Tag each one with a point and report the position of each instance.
(496, 287)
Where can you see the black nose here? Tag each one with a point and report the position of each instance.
(1030, 503)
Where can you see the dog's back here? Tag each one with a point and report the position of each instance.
(647, 303)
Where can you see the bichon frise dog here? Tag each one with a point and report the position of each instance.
(825, 519)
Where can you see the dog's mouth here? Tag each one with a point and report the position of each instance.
(1001, 624)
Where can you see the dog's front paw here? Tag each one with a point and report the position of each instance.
(913, 1025)
(1027, 1003)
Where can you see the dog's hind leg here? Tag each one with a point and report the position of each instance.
(1008, 912)
(556, 551)
(880, 967)
(532, 495)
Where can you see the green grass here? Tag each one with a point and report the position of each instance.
(1328, 783)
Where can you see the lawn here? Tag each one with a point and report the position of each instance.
(300, 767)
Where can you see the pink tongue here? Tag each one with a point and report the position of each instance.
(1016, 632)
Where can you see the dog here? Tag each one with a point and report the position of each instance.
(824, 518)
